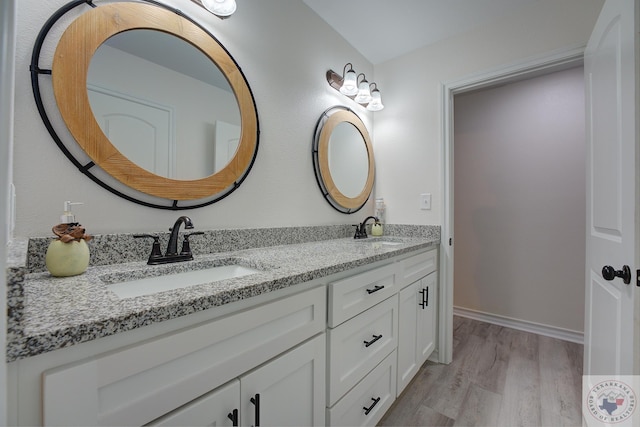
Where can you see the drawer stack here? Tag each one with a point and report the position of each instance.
(362, 341)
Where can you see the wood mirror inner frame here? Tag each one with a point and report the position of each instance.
(69, 76)
(326, 125)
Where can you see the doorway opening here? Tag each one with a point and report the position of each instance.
(521, 71)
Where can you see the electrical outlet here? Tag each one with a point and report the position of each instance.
(425, 201)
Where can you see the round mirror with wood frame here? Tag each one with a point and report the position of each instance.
(332, 180)
(69, 70)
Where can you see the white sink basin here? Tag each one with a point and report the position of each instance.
(167, 282)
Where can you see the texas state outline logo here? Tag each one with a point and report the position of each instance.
(610, 401)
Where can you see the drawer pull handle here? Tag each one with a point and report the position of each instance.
(375, 289)
(375, 338)
(233, 416)
(256, 401)
(370, 408)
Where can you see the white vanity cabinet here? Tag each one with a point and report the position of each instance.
(334, 351)
(417, 315)
(140, 383)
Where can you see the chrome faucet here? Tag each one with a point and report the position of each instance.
(172, 255)
(361, 230)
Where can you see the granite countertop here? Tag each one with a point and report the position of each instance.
(60, 312)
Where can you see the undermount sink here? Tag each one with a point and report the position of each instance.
(171, 281)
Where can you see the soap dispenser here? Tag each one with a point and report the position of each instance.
(376, 229)
(68, 254)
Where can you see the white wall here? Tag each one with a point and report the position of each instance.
(408, 140)
(283, 48)
(520, 200)
(7, 53)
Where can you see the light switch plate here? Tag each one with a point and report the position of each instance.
(425, 201)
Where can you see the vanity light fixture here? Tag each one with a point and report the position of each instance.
(355, 87)
(220, 8)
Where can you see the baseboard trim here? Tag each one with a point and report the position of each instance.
(522, 325)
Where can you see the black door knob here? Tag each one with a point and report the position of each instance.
(610, 273)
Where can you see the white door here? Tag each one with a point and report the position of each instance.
(610, 79)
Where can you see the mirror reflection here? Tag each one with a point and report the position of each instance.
(348, 159)
(164, 104)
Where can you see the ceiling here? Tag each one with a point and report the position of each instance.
(384, 29)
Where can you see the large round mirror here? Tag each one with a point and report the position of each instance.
(343, 159)
(153, 100)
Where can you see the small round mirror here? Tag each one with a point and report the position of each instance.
(343, 159)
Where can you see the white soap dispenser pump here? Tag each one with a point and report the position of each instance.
(68, 254)
(67, 216)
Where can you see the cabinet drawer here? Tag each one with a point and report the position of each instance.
(358, 345)
(368, 401)
(418, 266)
(353, 295)
(137, 384)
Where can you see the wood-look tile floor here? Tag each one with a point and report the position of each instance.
(498, 377)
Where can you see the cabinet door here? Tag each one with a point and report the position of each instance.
(417, 323)
(427, 322)
(217, 408)
(289, 390)
(407, 335)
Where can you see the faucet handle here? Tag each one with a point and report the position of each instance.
(186, 247)
(156, 252)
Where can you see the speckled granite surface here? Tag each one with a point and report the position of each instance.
(47, 313)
